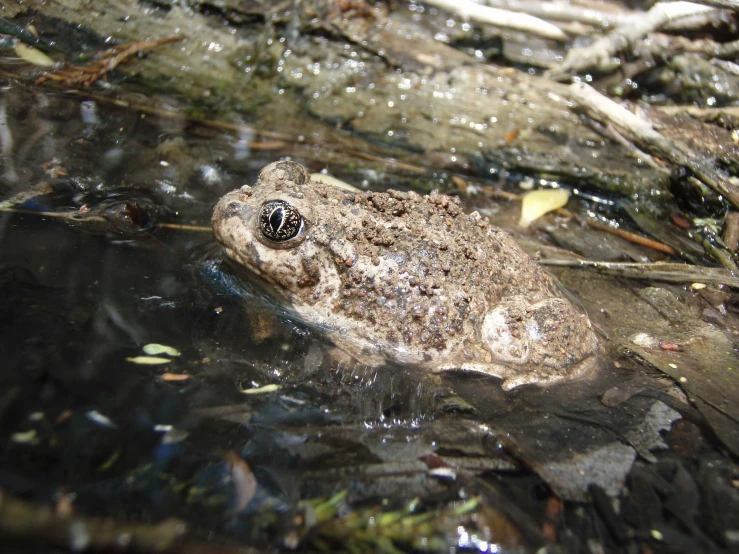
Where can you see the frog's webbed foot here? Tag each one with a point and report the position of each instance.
(505, 372)
(531, 379)
(550, 377)
(529, 374)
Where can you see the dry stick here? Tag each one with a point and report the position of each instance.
(716, 251)
(557, 11)
(185, 227)
(626, 235)
(642, 133)
(727, 49)
(74, 217)
(672, 272)
(107, 62)
(600, 54)
(731, 231)
(704, 114)
(693, 22)
(632, 237)
(724, 4)
(500, 18)
(69, 216)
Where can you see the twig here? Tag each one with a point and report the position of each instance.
(731, 231)
(723, 4)
(73, 216)
(500, 18)
(600, 54)
(183, 227)
(559, 11)
(633, 237)
(671, 272)
(704, 114)
(641, 132)
(727, 49)
(715, 249)
(98, 69)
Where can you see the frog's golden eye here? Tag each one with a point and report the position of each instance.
(279, 220)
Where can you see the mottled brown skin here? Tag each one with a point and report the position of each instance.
(408, 278)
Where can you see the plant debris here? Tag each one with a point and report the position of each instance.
(86, 75)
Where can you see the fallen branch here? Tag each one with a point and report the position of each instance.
(642, 133)
(723, 4)
(500, 18)
(559, 11)
(601, 54)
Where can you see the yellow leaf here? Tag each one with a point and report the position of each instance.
(332, 181)
(31, 55)
(262, 390)
(539, 202)
(148, 360)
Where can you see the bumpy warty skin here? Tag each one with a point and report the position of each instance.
(408, 278)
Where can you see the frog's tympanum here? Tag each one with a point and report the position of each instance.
(396, 276)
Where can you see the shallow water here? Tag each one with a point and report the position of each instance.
(96, 264)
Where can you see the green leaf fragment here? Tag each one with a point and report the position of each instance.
(24, 437)
(107, 464)
(154, 349)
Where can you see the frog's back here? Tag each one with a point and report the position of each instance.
(407, 277)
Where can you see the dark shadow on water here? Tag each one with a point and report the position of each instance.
(82, 297)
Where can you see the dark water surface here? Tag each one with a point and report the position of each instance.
(89, 275)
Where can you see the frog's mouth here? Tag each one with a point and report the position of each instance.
(250, 273)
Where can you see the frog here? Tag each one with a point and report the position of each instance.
(403, 278)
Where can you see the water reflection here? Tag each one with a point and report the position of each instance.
(257, 433)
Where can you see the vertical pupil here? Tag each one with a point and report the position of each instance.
(279, 221)
(276, 219)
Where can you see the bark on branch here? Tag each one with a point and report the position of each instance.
(642, 133)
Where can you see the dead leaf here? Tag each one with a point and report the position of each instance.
(242, 477)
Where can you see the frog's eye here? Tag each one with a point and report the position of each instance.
(279, 220)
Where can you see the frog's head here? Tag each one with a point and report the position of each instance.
(270, 229)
